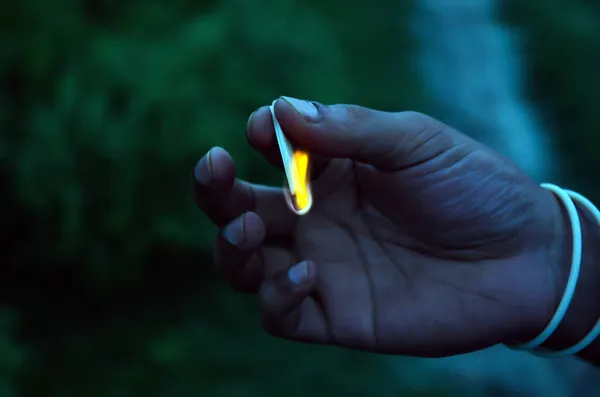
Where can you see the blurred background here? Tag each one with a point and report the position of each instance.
(106, 282)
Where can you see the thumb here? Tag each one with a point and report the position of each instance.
(388, 141)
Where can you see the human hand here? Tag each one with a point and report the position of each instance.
(421, 241)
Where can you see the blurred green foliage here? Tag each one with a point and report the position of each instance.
(105, 107)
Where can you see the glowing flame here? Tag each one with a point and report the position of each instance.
(299, 196)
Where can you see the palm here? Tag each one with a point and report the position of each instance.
(384, 280)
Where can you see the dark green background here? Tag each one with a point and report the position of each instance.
(106, 282)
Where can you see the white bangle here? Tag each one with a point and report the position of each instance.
(595, 332)
(573, 275)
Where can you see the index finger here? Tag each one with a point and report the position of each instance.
(223, 197)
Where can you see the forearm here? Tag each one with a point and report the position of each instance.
(584, 310)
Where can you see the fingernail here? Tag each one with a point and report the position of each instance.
(249, 123)
(203, 170)
(305, 108)
(299, 273)
(234, 233)
(209, 165)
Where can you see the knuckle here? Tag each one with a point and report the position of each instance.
(357, 116)
(267, 315)
(350, 116)
(417, 118)
(356, 111)
(243, 272)
(420, 124)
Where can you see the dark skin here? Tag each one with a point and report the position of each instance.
(421, 241)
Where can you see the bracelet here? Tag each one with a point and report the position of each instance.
(573, 275)
(567, 197)
(595, 332)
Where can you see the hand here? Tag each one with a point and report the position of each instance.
(420, 242)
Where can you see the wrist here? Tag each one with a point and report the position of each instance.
(584, 310)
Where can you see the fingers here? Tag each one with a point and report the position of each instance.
(288, 310)
(223, 197)
(242, 258)
(237, 253)
(211, 184)
(388, 141)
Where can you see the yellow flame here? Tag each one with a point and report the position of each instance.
(301, 195)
